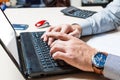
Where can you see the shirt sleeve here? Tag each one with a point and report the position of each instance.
(103, 21)
(112, 67)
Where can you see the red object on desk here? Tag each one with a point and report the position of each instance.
(40, 23)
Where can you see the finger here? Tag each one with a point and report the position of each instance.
(75, 34)
(64, 29)
(60, 55)
(48, 30)
(50, 40)
(57, 47)
(58, 35)
(44, 37)
(60, 42)
(56, 29)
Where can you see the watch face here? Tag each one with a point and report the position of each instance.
(99, 60)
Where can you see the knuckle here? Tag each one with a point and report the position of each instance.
(55, 55)
(60, 34)
(51, 39)
(55, 47)
(50, 28)
(56, 29)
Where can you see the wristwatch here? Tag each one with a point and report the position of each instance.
(98, 62)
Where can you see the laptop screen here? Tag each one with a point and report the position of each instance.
(8, 36)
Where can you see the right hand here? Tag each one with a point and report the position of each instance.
(74, 30)
(72, 50)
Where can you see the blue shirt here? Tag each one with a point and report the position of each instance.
(103, 21)
(106, 20)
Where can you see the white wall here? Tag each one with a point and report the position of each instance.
(76, 3)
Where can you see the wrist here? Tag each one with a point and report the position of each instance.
(78, 27)
(98, 62)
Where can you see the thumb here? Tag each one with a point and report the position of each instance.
(75, 34)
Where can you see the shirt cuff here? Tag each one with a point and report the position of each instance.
(86, 29)
(112, 67)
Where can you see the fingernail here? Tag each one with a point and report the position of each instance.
(49, 43)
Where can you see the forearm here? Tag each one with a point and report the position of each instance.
(106, 20)
(112, 67)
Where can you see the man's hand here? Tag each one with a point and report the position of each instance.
(72, 50)
(74, 30)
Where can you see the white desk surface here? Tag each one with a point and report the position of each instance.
(30, 16)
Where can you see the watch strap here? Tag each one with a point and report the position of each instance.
(97, 70)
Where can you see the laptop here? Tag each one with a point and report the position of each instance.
(30, 53)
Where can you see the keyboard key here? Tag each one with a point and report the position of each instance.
(43, 53)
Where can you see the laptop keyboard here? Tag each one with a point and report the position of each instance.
(42, 50)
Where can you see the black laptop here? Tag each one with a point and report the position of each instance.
(30, 53)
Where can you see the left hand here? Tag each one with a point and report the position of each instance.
(74, 30)
(72, 50)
